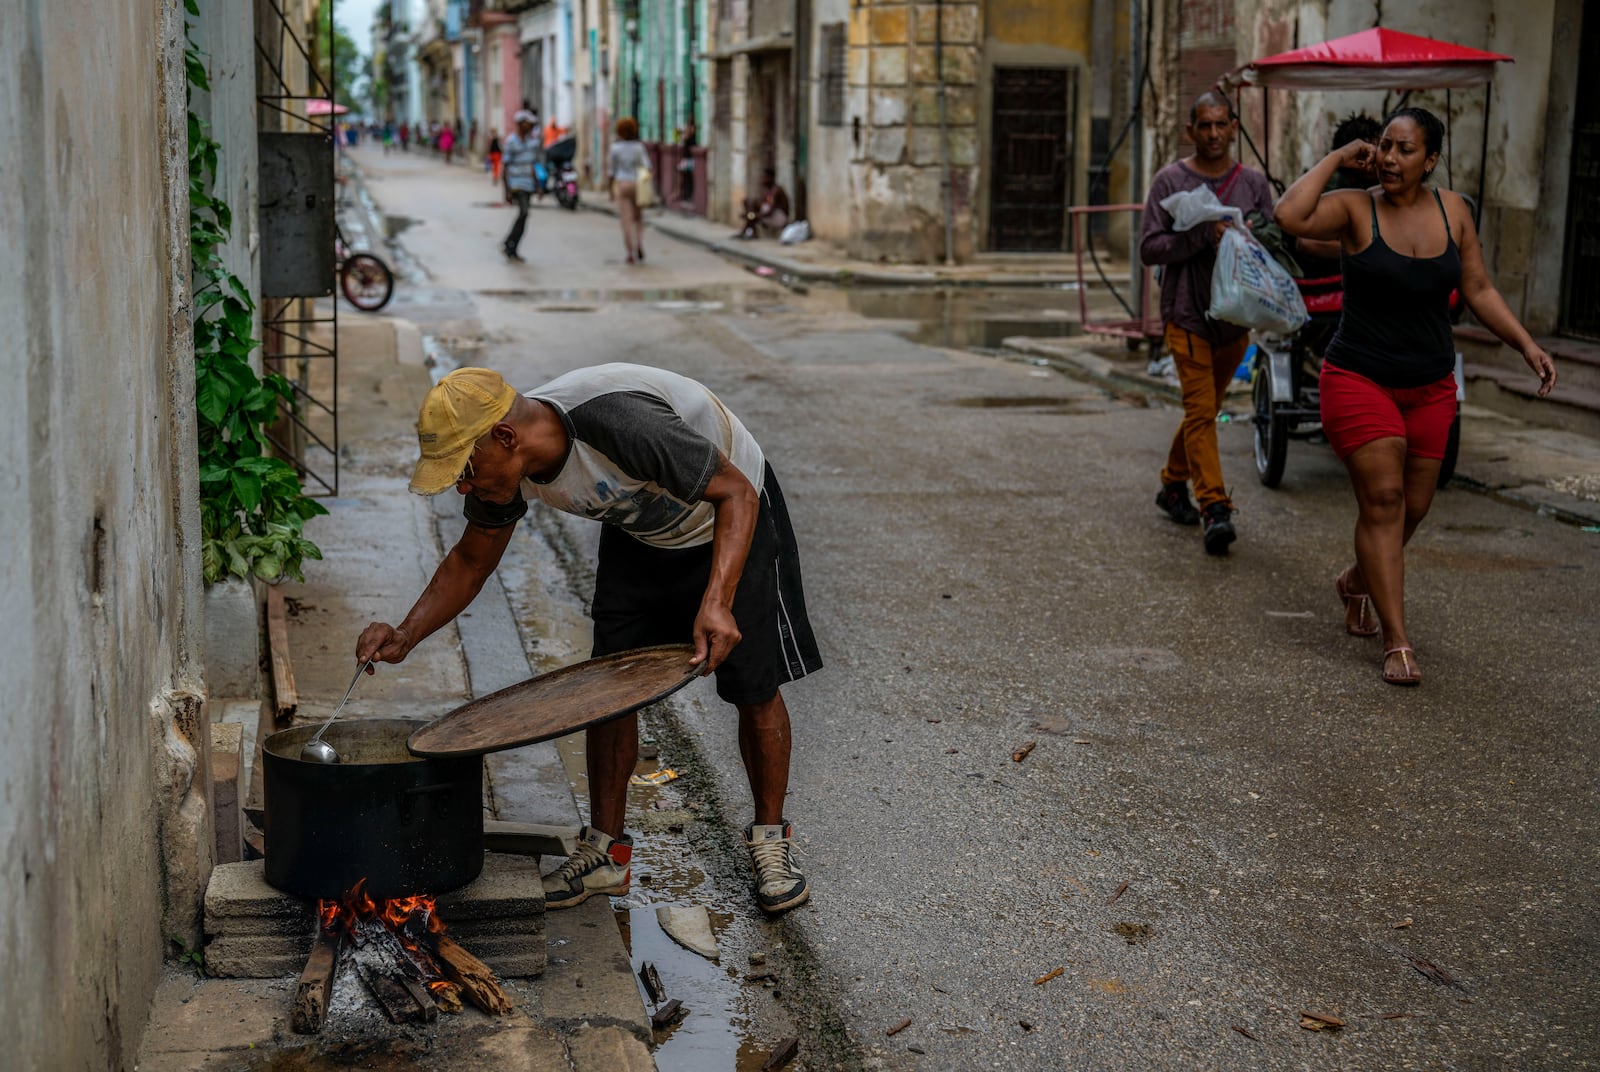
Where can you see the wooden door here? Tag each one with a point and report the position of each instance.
(1580, 305)
(1030, 178)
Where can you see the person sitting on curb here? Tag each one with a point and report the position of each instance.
(696, 547)
(768, 213)
(1206, 352)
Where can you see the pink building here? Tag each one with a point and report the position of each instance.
(500, 71)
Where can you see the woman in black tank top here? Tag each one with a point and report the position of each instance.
(1388, 375)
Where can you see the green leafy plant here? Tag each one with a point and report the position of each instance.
(195, 959)
(253, 508)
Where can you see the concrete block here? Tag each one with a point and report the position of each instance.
(925, 147)
(920, 66)
(889, 107)
(961, 65)
(858, 66)
(241, 890)
(227, 740)
(228, 965)
(233, 639)
(889, 25)
(960, 105)
(887, 146)
(889, 66)
(607, 1049)
(963, 146)
(961, 23)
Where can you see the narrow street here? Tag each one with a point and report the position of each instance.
(1226, 819)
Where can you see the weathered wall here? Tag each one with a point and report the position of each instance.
(1518, 164)
(830, 147)
(98, 578)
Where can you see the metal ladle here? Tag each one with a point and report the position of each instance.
(317, 750)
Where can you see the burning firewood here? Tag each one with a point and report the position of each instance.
(472, 975)
(316, 983)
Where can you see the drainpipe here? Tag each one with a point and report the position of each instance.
(1136, 153)
(944, 137)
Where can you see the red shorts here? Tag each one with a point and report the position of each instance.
(1356, 411)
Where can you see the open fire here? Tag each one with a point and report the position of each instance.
(400, 950)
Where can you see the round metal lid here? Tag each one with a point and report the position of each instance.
(563, 701)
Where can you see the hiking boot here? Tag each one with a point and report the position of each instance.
(779, 887)
(599, 865)
(1218, 531)
(1173, 499)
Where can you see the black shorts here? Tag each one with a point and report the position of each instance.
(646, 595)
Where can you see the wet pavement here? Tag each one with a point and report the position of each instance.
(1226, 821)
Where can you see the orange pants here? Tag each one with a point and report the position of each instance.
(1204, 373)
(494, 164)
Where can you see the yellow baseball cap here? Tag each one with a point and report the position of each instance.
(460, 408)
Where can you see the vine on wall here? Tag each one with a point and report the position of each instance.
(253, 508)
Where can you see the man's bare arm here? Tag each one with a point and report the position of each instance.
(737, 506)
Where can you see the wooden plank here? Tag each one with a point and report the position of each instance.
(284, 697)
(782, 1054)
(472, 975)
(664, 1016)
(316, 984)
(393, 995)
(528, 839)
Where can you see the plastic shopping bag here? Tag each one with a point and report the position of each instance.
(795, 233)
(1191, 208)
(1251, 289)
(644, 189)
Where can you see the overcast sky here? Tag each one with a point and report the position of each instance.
(356, 18)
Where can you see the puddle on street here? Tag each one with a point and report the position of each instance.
(707, 299)
(394, 226)
(971, 318)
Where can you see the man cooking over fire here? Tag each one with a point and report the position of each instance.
(696, 546)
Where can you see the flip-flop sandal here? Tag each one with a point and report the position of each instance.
(1408, 662)
(1364, 621)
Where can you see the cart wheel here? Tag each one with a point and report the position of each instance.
(1271, 430)
(366, 281)
(1452, 447)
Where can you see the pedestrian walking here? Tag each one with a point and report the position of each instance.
(491, 160)
(627, 159)
(1388, 389)
(447, 141)
(405, 137)
(520, 151)
(1206, 352)
(696, 547)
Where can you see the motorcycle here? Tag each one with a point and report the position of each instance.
(565, 178)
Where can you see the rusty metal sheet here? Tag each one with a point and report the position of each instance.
(296, 220)
(558, 703)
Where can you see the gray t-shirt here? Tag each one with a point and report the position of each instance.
(644, 445)
(1189, 256)
(627, 157)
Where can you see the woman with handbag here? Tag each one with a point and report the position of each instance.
(630, 169)
(1388, 387)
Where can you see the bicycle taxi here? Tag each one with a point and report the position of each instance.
(1285, 374)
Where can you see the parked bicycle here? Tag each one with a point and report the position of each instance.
(364, 279)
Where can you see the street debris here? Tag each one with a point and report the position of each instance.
(916, 1050)
(1396, 1016)
(1122, 889)
(1081, 740)
(782, 1054)
(1319, 1021)
(758, 958)
(652, 982)
(1245, 1032)
(1024, 1025)
(1047, 976)
(1022, 752)
(951, 751)
(1433, 971)
(897, 1028)
(664, 1016)
(1402, 924)
(690, 927)
(660, 777)
(1290, 614)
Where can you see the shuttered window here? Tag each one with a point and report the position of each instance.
(830, 109)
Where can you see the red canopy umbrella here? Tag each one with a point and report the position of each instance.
(1380, 57)
(324, 106)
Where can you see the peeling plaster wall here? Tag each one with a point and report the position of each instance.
(831, 147)
(99, 585)
(1521, 135)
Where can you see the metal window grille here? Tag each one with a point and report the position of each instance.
(830, 110)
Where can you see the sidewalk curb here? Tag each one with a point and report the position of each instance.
(1093, 368)
(755, 253)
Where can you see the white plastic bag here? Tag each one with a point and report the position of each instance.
(1250, 288)
(1191, 208)
(795, 233)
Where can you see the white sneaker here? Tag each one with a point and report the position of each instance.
(779, 885)
(599, 865)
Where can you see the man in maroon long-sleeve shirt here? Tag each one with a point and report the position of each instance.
(1206, 352)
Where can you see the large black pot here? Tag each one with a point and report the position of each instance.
(405, 824)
